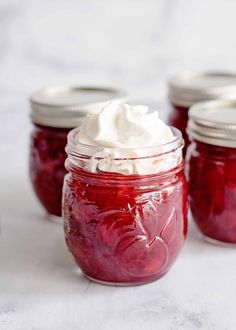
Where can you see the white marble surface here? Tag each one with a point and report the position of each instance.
(134, 44)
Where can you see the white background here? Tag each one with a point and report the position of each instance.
(133, 44)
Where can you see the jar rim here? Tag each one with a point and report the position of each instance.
(67, 105)
(187, 88)
(74, 145)
(205, 126)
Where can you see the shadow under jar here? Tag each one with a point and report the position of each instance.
(55, 111)
(124, 229)
(211, 169)
(187, 88)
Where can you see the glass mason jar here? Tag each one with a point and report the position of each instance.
(55, 111)
(188, 88)
(124, 229)
(211, 169)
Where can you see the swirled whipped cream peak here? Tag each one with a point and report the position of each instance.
(126, 136)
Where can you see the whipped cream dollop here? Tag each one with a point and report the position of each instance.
(127, 138)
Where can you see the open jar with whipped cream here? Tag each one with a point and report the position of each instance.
(188, 88)
(211, 169)
(54, 112)
(125, 196)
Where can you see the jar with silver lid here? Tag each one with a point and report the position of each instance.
(54, 112)
(211, 168)
(188, 88)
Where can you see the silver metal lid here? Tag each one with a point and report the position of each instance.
(66, 106)
(213, 122)
(191, 87)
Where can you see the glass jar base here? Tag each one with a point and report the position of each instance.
(214, 241)
(119, 284)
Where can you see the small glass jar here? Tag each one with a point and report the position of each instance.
(188, 88)
(55, 111)
(124, 229)
(211, 169)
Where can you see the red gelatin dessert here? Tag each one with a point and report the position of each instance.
(178, 117)
(125, 215)
(47, 169)
(212, 190)
(211, 169)
(125, 230)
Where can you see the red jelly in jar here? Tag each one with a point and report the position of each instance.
(211, 169)
(55, 111)
(125, 229)
(188, 88)
(47, 170)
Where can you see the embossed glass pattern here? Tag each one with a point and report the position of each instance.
(124, 229)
